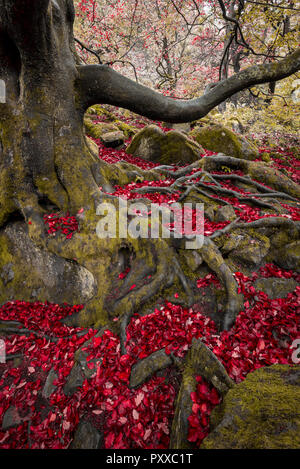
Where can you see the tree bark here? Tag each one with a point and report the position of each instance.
(99, 83)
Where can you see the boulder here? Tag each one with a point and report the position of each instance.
(29, 273)
(288, 257)
(251, 249)
(225, 213)
(113, 139)
(49, 386)
(262, 412)
(219, 139)
(152, 144)
(276, 287)
(87, 437)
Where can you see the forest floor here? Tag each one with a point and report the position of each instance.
(142, 417)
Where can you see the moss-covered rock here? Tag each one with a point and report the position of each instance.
(222, 140)
(251, 249)
(97, 130)
(225, 213)
(276, 287)
(152, 144)
(262, 412)
(29, 273)
(288, 257)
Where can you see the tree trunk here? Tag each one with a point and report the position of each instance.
(43, 156)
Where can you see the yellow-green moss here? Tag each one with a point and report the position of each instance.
(220, 139)
(172, 147)
(262, 412)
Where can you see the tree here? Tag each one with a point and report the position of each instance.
(45, 163)
(45, 160)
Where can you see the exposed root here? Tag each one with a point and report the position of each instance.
(257, 171)
(183, 409)
(267, 192)
(213, 258)
(237, 195)
(199, 361)
(17, 328)
(145, 368)
(270, 222)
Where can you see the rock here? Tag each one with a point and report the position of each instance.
(251, 250)
(11, 418)
(295, 95)
(276, 287)
(232, 243)
(152, 144)
(262, 412)
(209, 212)
(113, 139)
(49, 387)
(28, 272)
(100, 129)
(74, 381)
(192, 259)
(87, 437)
(288, 257)
(225, 213)
(220, 139)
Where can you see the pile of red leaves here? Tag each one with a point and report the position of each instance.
(67, 225)
(139, 418)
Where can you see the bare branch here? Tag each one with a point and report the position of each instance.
(102, 85)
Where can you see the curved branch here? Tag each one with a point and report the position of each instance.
(99, 84)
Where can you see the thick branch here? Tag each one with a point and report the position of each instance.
(102, 85)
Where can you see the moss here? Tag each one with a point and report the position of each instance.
(252, 248)
(128, 130)
(97, 130)
(101, 111)
(266, 157)
(262, 412)
(220, 139)
(28, 273)
(274, 178)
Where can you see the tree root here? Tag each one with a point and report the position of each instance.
(145, 368)
(247, 180)
(199, 361)
(257, 171)
(270, 222)
(237, 195)
(214, 259)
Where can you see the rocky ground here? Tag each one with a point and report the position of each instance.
(65, 386)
